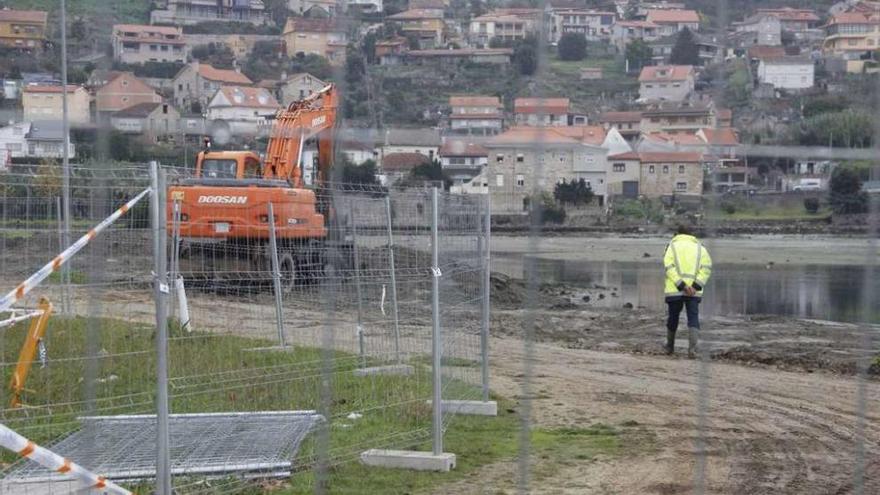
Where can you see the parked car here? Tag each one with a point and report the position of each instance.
(808, 185)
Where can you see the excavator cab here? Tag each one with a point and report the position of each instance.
(228, 165)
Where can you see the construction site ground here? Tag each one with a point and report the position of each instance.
(780, 396)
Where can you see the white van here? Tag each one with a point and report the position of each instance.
(808, 185)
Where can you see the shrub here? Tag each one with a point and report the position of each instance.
(811, 205)
(728, 207)
(572, 47)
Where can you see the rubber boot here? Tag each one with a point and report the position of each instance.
(693, 337)
(670, 342)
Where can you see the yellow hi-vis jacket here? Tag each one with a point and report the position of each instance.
(687, 263)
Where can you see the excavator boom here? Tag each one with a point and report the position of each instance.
(314, 116)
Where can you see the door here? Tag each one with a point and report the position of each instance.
(630, 189)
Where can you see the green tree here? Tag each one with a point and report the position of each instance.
(845, 192)
(525, 56)
(738, 90)
(639, 54)
(315, 65)
(632, 10)
(574, 193)
(217, 54)
(685, 51)
(572, 46)
(429, 171)
(850, 128)
(47, 182)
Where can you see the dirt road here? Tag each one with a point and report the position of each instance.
(766, 431)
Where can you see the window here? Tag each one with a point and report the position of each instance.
(681, 169)
(665, 169)
(164, 48)
(650, 169)
(520, 180)
(520, 158)
(154, 48)
(219, 169)
(681, 186)
(619, 167)
(180, 87)
(499, 180)
(206, 85)
(499, 158)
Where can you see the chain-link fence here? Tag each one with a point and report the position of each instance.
(286, 350)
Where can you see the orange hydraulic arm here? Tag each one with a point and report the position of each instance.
(301, 121)
(31, 341)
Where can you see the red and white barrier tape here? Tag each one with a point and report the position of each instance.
(43, 273)
(13, 319)
(48, 459)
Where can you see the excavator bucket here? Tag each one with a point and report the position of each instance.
(28, 350)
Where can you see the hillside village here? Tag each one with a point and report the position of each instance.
(633, 99)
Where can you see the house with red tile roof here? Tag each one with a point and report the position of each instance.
(43, 102)
(136, 44)
(625, 32)
(524, 159)
(324, 37)
(792, 19)
(671, 21)
(541, 111)
(196, 82)
(23, 29)
(675, 173)
(246, 110)
(476, 115)
(666, 82)
(463, 159)
(626, 123)
(123, 90)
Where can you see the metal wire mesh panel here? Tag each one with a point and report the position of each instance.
(123, 448)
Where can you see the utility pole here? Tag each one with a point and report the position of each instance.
(65, 160)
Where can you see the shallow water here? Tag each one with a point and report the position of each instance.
(834, 293)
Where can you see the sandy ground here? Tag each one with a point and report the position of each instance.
(766, 431)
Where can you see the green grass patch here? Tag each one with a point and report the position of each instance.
(76, 277)
(478, 441)
(743, 210)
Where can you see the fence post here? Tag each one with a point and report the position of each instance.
(436, 356)
(161, 290)
(175, 255)
(394, 310)
(486, 289)
(357, 282)
(276, 276)
(65, 287)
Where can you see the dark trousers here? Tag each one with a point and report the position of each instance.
(692, 308)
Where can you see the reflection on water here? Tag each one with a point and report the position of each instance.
(805, 291)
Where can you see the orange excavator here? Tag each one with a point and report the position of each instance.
(223, 211)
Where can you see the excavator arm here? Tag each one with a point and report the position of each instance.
(314, 116)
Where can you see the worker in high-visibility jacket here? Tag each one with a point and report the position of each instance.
(688, 268)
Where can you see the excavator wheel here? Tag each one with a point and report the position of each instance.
(289, 271)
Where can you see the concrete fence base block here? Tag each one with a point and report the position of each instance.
(391, 369)
(469, 407)
(409, 459)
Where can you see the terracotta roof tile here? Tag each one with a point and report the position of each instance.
(402, 162)
(531, 136)
(724, 136)
(791, 14)
(474, 101)
(666, 73)
(541, 105)
(211, 73)
(670, 16)
(40, 88)
(456, 147)
(630, 155)
(145, 28)
(243, 96)
(415, 14)
(38, 16)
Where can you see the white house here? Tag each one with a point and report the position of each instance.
(41, 139)
(241, 110)
(787, 72)
(462, 160)
(666, 83)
